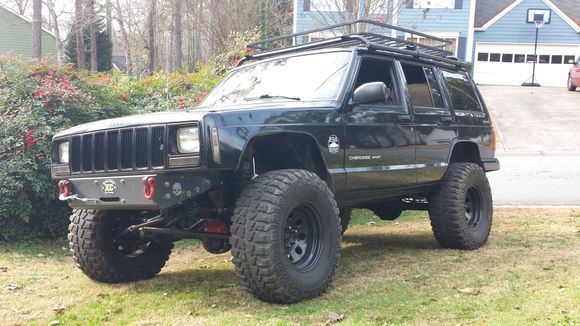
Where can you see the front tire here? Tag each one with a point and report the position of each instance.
(461, 211)
(104, 255)
(286, 236)
(571, 86)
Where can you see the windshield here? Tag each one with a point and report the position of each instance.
(313, 77)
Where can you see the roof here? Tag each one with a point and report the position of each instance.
(487, 9)
(28, 20)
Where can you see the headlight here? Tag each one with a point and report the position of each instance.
(63, 156)
(188, 140)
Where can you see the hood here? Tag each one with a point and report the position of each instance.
(135, 120)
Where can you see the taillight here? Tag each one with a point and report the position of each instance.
(493, 140)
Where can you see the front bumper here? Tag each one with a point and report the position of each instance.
(128, 192)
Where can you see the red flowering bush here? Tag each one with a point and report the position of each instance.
(36, 101)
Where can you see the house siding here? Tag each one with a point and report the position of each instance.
(512, 28)
(16, 36)
(432, 20)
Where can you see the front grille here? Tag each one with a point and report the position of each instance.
(118, 150)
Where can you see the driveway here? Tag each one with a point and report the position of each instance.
(539, 145)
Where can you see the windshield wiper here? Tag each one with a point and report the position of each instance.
(266, 96)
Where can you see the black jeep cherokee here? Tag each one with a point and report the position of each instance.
(272, 162)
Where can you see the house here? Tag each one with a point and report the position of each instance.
(497, 36)
(505, 37)
(16, 35)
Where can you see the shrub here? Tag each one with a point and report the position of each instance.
(37, 100)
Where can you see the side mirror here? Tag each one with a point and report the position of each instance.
(375, 92)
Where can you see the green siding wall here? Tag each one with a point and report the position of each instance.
(16, 36)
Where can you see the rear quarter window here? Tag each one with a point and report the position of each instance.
(461, 91)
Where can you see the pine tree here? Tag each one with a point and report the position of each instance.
(104, 46)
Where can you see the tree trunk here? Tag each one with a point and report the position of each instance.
(125, 36)
(177, 37)
(93, 33)
(109, 17)
(151, 31)
(37, 29)
(79, 23)
(56, 30)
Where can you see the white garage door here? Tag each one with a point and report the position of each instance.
(511, 64)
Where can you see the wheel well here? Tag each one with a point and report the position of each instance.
(466, 152)
(287, 151)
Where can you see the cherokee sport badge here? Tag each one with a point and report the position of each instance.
(109, 187)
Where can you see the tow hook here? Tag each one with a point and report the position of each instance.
(64, 190)
(149, 187)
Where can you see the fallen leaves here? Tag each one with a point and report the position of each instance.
(58, 309)
(3, 269)
(334, 318)
(469, 291)
(13, 287)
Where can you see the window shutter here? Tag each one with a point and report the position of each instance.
(461, 47)
(306, 5)
(458, 4)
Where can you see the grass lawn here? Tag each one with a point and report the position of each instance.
(390, 273)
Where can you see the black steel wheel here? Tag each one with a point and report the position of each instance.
(286, 236)
(461, 211)
(302, 237)
(106, 252)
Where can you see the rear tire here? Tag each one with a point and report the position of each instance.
(104, 256)
(461, 211)
(571, 86)
(286, 236)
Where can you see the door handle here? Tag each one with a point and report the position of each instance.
(447, 120)
(405, 118)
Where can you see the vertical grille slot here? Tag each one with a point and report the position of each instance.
(127, 149)
(87, 152)
(141, 148)
(112, 150)
(75, 151)
(157, 146)
(99, 152)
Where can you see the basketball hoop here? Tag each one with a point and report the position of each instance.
(539, 20)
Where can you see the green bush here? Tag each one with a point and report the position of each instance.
(37, 100)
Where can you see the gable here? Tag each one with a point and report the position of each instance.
(566, 10)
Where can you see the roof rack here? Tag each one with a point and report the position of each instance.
(364, 33)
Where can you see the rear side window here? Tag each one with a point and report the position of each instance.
(461, 92)
(422, 86)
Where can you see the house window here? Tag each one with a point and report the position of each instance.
(326, 5)
(507, 57)
(544, 58)
(432, 4)
(494, 57)
(421, 40)
(482, 56)
(519, 58)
